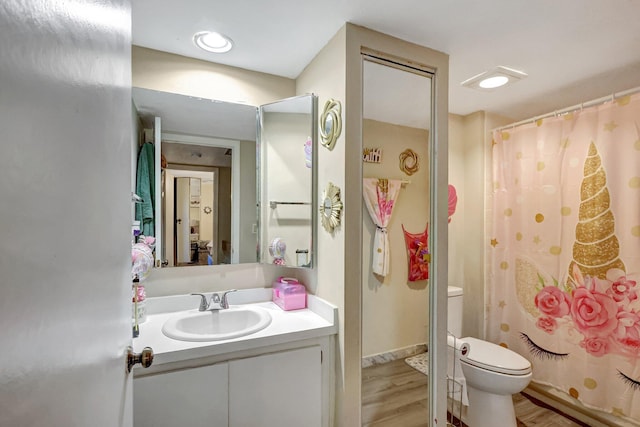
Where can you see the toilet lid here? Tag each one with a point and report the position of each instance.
(492, 357)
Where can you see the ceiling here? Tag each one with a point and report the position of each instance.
(572, 50)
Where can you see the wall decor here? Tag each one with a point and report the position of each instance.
(207, 210)
(372, 155)
(409, 161)
(330, 207)
(330, 123)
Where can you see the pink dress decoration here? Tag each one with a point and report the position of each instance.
(417, 254)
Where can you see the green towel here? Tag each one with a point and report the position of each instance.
(145, 183)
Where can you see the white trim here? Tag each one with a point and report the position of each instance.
(157, 143)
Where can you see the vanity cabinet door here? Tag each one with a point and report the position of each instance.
(186, 398)
(276, 390)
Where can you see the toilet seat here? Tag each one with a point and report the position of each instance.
(491, 357)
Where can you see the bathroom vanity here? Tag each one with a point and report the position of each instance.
(278, 376)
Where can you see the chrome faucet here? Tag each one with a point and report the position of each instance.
(218, 301)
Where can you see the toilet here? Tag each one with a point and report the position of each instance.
(492, 373)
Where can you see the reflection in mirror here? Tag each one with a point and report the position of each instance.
(210, 216)
(395, 307)
(195, 209)
(288, 131)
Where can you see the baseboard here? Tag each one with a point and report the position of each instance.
(390, 356)
(573, 407)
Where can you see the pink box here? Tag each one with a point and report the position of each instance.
(289, 294)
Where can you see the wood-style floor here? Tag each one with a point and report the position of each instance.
(395, 395)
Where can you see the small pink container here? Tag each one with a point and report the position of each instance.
(289, 294)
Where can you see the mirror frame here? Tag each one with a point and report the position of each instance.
(330, 207)
(331, 116)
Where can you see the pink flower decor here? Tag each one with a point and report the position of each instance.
(598, 309)
(623, 288)
(593, 313)
(453, 201)
(553, 302)
(547, 324)
(595, 346)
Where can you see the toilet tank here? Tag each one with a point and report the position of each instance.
(454, 311)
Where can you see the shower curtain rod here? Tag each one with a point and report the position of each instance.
(577, 107)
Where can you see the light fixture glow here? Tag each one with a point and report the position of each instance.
(492, 82)
(495, 78)
(212, 42)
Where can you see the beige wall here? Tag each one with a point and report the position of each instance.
(167, 72)
(248, 184)
(325, 76)
(286, 179)
(394, 310)
(469, 171)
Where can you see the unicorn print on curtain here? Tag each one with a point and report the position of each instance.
(565, 252)
(380, 195)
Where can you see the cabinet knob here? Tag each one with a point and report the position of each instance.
(145, 358)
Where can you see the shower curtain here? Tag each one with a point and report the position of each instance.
(564, 260)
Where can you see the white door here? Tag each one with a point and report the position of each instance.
(65, 213)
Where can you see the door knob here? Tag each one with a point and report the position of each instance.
(145, 358)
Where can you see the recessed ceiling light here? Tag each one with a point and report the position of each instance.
(493, 82)
(495, 78)
(212, 41)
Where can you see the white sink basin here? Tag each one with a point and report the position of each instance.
(216, 325)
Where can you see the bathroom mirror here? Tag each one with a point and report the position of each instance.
(207, 213)
(288, 148)
(397, 104)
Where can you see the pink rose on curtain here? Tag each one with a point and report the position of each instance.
(593, 313)
(553, 302)
(547, 324)
(623, 288)
(595, 346)
(627, 333)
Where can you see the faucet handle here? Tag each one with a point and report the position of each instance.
(203, 302)
(224, 303)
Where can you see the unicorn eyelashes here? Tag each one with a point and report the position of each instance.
(539, 352)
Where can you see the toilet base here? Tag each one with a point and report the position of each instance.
(489, 410)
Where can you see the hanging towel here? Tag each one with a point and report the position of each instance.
(145, 182)
(380, 195)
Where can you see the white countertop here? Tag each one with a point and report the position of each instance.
(319, 319)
